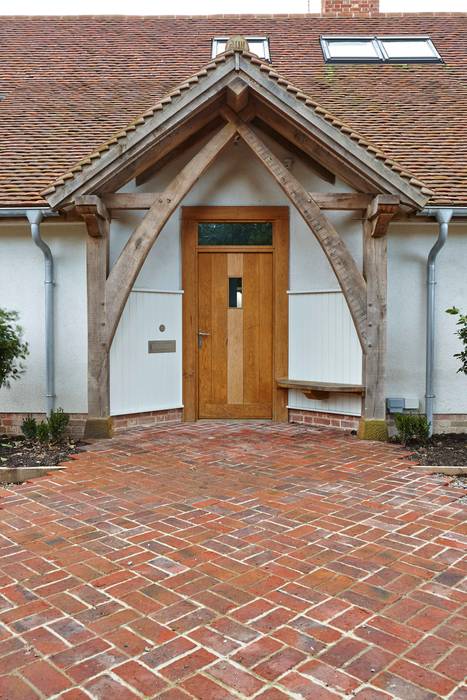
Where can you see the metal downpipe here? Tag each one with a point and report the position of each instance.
(443, 217)
(35, 217)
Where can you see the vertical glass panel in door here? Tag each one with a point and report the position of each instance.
(235, 233)
(235, 292)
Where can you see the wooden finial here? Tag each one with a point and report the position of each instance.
(237, 43)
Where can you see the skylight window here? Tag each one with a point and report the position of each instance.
(258, 45)
(379, 49)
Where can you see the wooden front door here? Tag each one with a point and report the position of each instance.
(235, 330)
(235, 340)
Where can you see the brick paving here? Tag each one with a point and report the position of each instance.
(233, 560)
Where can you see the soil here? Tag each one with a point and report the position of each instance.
(16, 452)
(447, 450)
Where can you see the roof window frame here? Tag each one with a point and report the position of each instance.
(378, 44)
(263, 39)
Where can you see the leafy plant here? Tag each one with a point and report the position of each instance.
(43, 432)
(412, 426)
(462, 335)
(12, 348)
(29, 428)
(58, 423)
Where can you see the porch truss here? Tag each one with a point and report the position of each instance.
(231, 100)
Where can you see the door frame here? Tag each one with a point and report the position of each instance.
(191, 216)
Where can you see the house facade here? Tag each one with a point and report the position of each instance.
(232, 217)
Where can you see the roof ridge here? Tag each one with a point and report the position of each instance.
(258, 15)
(266, 67)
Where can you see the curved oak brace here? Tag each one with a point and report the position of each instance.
(131, 259)
(349, 276)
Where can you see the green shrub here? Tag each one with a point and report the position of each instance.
(462, 335)
(29, 428)
(43, 432)
(12, 348)
(58, 423)
(412, 426)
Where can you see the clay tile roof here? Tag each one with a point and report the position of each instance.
(273, 75)
(61, 100)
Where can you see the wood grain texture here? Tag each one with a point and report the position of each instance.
(97, 261)
(374, 360)
(276, 269)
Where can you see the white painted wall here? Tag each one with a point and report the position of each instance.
(22, 289)
(408, 246)
(154, 381)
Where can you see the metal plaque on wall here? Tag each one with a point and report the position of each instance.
(162, 346)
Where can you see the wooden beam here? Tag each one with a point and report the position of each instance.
(97, 260)
(237, 95)
(95, 214)
(374, 360)
(132, 257)
(131, 200)
(301, 138)
(381, 210)
(199, 129)
(323, 172)
(333, 201)
(348, 275)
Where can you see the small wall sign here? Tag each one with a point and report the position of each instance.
(155, 346)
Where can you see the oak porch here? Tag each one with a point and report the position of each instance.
(241, 103)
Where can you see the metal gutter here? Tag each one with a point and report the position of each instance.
(35, 217)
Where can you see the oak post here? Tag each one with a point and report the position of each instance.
(373, 425)
(98, 424)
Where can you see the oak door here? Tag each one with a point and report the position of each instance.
(235, 334)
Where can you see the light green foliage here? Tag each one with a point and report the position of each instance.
(462, 335)
(12, 348)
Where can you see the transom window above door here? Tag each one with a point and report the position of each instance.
(235, 233)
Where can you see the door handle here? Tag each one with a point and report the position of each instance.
(201, 334)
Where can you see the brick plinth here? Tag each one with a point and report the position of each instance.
(10, 423)
(324, 420)
(135, 420)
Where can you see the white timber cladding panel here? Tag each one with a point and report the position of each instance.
(142, 381)
(323, 346)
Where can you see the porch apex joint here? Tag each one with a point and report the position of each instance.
(381, 210)
(237, 95)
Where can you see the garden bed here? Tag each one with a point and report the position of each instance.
(18, 452)
(449, 449)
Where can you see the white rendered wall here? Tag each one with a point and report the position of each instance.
(22, 290)
(237, 179)
(408, 248)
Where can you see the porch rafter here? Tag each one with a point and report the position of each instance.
(348, 275)
(127, 266)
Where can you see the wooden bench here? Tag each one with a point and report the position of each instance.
(319, 390)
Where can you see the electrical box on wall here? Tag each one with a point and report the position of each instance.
(399, 405)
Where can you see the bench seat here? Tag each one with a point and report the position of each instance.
(319, 391)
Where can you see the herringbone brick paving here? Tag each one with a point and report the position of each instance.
(233, 560)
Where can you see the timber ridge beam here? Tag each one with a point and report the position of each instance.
(332, 201)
